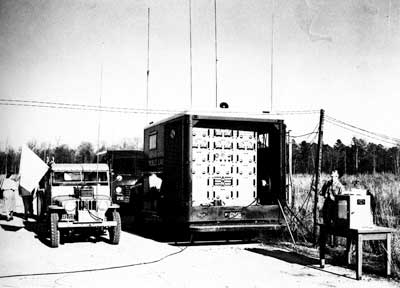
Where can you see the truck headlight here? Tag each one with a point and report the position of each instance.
(70, 206)
(102, 205)
(118, 189)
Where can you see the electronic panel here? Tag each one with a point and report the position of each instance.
(224, 164)
(354, 211)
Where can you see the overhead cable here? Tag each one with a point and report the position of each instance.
(364, 130)
(88, 107)
(362, 133)
(298, 136)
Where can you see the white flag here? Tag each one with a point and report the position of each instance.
(31, 169)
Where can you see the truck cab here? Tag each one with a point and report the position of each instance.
(128, 165)
(79, 196)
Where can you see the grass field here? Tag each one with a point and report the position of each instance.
(384, 187)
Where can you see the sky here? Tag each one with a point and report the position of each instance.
(340, 56)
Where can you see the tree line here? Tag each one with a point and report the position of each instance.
(62, 153)
(358, 157)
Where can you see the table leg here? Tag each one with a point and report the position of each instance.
(388, 253)
(359, 248)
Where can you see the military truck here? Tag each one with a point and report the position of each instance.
(77, 196)
(130, 164)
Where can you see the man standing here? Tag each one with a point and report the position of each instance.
(330, 190)
(9, 186)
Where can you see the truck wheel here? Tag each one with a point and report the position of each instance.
(54, 232)
(115, 231)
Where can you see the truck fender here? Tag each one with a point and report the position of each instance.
(55, 207)
(113, 206)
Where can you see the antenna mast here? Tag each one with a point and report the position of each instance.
(99, 118)
(191, 55)
(216, 54)
(148, 62)
(272, 55)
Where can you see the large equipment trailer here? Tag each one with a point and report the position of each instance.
(218, 173)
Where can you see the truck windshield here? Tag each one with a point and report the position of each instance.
(128, 166)
(61, 178)
(67, 177)
(92, 177)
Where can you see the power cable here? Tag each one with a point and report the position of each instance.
(363, 130)
(94, 269)
(298, 136)
(69, 106)
(87, 107)
(361, 133)
(294, 112)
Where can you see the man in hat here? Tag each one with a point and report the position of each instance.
(330, 190)
(9, 186)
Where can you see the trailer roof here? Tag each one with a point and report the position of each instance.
(79, 167)
(222, 115)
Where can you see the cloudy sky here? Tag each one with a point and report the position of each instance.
(341, 56)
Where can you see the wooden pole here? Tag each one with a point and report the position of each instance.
(290, 191)
(318, 171)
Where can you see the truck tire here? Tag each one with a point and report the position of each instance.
(115, 231)
(54, 232)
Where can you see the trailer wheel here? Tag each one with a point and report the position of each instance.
(115, 231)
(54, 232)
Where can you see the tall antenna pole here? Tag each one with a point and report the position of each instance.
(272, 55)
(100, 96)
(191, 55)
(148, 62)
(389, 18)
(216, 54)
(99, 120)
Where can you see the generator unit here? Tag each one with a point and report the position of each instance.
(218, 173)
(353, 210)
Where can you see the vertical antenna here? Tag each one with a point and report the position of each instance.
(389, 20)
(100, 96)
(191, 56)
(272, 55)
(148, 62)
(216, 54)
(99, 122)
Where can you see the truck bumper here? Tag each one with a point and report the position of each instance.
(62, 225)
(234, 227)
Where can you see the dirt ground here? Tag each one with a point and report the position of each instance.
(27, 261)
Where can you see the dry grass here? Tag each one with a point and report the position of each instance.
(385, 188)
